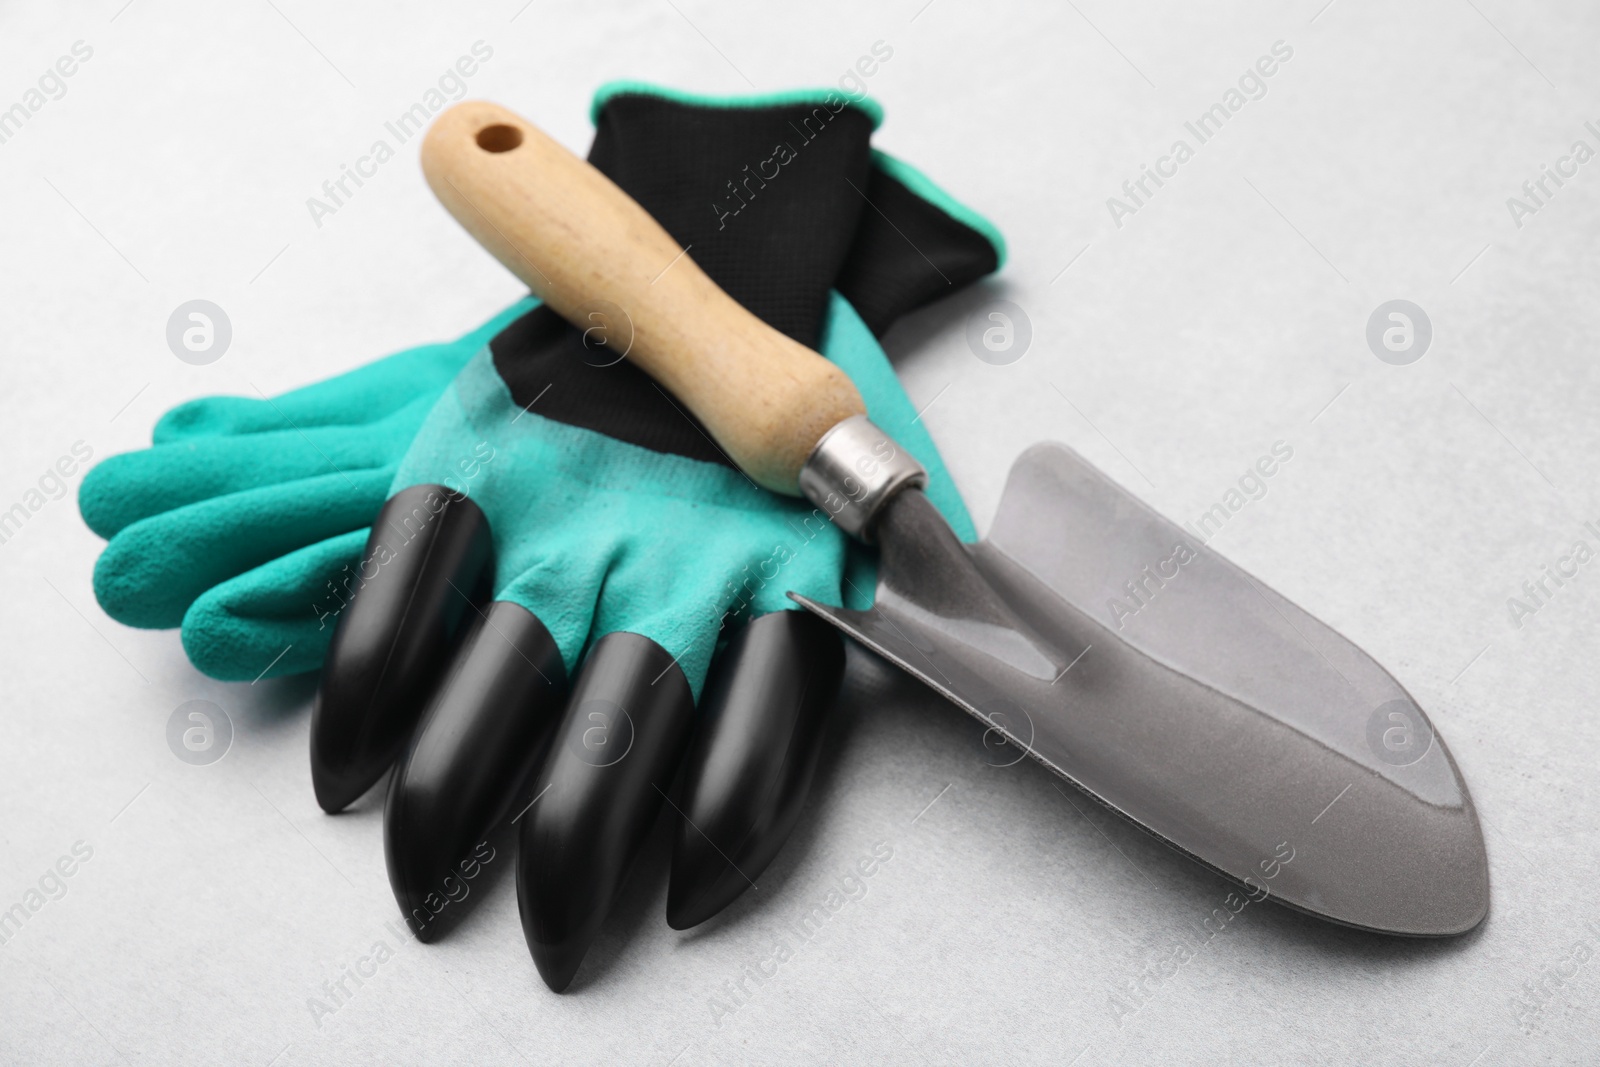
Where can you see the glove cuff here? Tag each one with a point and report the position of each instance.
(779, 198)
(826, 97)
(915, 244)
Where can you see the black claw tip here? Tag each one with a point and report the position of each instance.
(394, 637)
(558, 964)
(703, 883)
(600, 790)
(476, 745)
(752, 760)
(338, 789)
(416, 866)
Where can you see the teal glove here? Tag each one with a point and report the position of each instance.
(593, 535)
(560, 519)
(244, 524)
(245, 514)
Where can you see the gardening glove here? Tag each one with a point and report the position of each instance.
(245, 520)
(619, 536)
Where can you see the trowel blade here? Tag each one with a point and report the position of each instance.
(1194, 701)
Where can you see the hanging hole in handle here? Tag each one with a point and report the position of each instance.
(499, 138)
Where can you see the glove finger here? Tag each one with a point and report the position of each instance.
(487, 727)
(918, 244)
(476, 745)
(277, 618)
(154, 569)
(365, 395)
(123, 489)
(750, 764)
(602, 785)
(428, 561)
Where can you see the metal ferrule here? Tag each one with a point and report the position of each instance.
(853, 472)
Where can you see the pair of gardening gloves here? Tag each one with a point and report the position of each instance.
(535, 586)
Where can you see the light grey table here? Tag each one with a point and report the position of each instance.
(1175, 338)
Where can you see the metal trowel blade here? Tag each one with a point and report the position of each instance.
(1116, 649)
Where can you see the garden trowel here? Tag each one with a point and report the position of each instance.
(1094, 635)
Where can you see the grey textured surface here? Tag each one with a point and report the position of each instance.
(1227, 313)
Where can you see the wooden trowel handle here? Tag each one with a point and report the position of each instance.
(589, 251)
